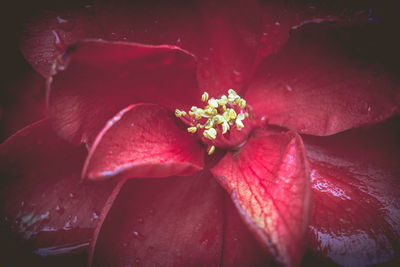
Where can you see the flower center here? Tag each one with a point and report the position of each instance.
(217, 119)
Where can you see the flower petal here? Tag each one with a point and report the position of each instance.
(44, 204)
(321, 83)
(228, 40)
(356, 190)
(269, 184)
(143, 140)
(178, 221)
(101, 78)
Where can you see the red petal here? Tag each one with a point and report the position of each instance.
(321, 83)
(355, 179)
(269, 185)
(178, 221)
(226, 38)
(143, 140)
(102, 78)
(43, 201)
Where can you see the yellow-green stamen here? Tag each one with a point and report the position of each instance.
(219, 116)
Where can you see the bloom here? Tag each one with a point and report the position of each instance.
(99, 97)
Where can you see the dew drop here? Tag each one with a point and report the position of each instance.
(237, 77)
(59, 209)
(58, 42)
(138, 235)
(73, 195)
(140, 220)
(114, 36)
(64, 23)
(89, 9)
(75, 219)
(22, 204)
(151, 211)
(179, 42)
(45, 216)
(288, 88)
(138, 261)
(95, 216)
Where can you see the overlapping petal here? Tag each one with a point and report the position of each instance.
(356, 190)
(44, 204)
(322, 83)
(228, 42)
(143, 140)
(175, 221)
(97, 79)
(269, 184)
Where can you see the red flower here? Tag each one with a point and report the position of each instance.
(118, 99)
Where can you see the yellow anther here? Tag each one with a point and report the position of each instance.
(228, 111)
(218, 119)
(179, 113)
(212, 102)
(192, 129)
(209, 124)
(242, 103)
(232, 92)
(210, 133)
(232, 114)
(225, 127)
(222, 101)
(210, 111)
(211, 150)
(204, 97)
(239, 124)
(226, 115)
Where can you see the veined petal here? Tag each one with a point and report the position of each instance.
(143, 140)
(269, 184)
(356, 190)
(179, 221)
(228, 39)
(322, 82)
(45, 208)
(100, 78)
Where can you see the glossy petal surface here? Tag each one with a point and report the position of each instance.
(44, 204)
(100, 78)
(174, 222)
(269, 183)
(356, 190)
(143, 140)
(322, 83)
(229, 39)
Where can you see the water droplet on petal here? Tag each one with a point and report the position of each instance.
(59, 209)
(140, 220)
(22, 204)
(151, 211)
(289, 88)
(114, 36)
(95, 216)
(65, 23)
(73, 195)
(138, 235)
(179, 42)
(58, 42)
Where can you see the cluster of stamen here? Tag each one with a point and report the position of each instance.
(220, 115)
